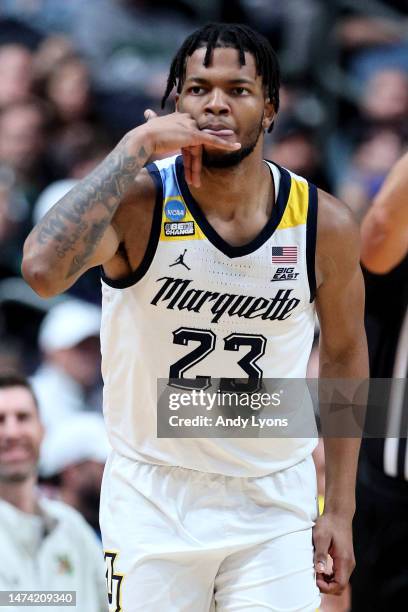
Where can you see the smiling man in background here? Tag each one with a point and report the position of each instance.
(45, 545)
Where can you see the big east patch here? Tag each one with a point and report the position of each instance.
(283, 274)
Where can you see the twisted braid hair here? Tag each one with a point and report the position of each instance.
(230, 35)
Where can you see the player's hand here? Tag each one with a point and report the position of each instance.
(332, 535)
(180, 131)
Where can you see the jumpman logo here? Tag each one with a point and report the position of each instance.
(180, 260)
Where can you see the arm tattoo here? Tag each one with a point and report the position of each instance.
(68, 224)
(91, 239)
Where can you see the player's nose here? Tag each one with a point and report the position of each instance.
(217, 102)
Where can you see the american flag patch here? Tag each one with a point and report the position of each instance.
(284, 255)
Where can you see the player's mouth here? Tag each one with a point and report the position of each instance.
(218, 130)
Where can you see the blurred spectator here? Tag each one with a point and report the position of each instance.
(14, 223)
(22, 145)
(16, 74)
(372, 139)
(68, 379)
(370, 163)
(365, 37)
(77, 135)
(43, 15)
(294, 146)
(74, 456)
(128, 44)
(78, 148)
(45, 544)
(68, 88)
(385, 97)
(291, 27)
(50, 52)
(14, 31)
(373, 37)
(11, 354)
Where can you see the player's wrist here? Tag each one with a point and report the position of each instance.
(339, 511)
(141, 142)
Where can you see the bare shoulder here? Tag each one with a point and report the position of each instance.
(338, 237)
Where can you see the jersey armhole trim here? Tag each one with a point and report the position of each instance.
(311, 233)
(137, 275)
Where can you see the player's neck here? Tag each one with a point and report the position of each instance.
(242, 187)
(22, 495)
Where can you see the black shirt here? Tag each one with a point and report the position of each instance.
(386, 311)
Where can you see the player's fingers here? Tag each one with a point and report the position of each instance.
(149, 114)
(328, 586)
(187, 162)
(336, 578)
(342, 567)
(322, 541)
(196, 156)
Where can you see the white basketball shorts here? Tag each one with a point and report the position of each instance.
(179, 540)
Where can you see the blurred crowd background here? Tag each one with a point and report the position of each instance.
(75, 76)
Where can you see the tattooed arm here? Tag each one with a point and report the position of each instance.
(77, 233)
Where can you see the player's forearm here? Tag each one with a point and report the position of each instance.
(344, 379)
(384, 237)
(384, 230)
(341, 457)
(62, 243)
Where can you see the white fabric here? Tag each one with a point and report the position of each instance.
(68, 557)
(186, 541)
(137, 348)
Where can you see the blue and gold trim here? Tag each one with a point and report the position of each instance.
(209, 232)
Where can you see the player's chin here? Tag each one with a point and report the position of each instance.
(215, 158)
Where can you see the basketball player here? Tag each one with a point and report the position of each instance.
(380, 526)
(192, 523)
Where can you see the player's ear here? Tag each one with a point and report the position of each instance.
(268, 115)
(177, 98)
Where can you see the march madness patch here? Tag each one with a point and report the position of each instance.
(182, 228)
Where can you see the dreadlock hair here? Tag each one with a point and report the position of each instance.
(236, 36)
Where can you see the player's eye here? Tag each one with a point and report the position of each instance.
(239, 91)
(196, 90)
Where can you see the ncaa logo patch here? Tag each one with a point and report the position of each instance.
(175, 210)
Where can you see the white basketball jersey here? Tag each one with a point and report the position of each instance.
(199, 307)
